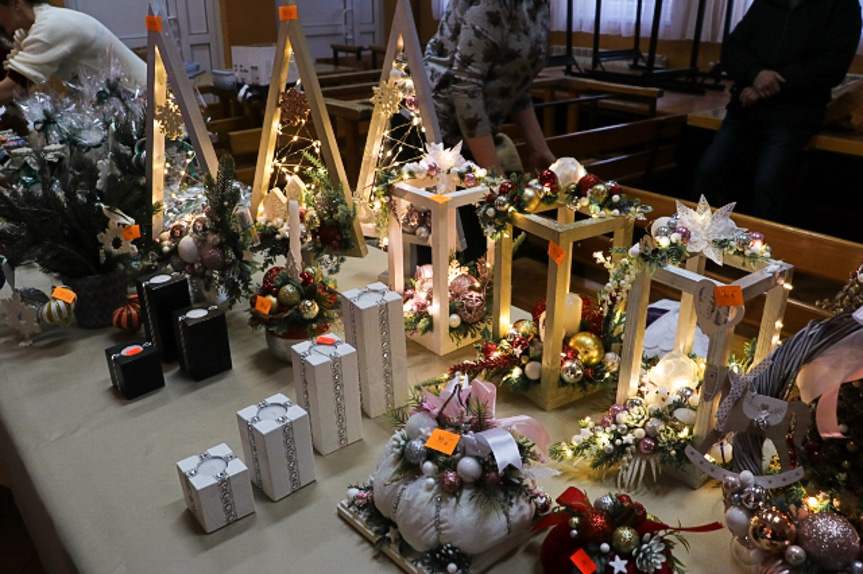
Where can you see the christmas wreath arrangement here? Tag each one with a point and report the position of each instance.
(612, 535)
(454, 488)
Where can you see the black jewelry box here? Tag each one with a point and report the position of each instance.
(201, 332)
(135, 368)
(160, 295)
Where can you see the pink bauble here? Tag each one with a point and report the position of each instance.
(647, 445)
(684, 233)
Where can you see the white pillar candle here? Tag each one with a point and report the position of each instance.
(572, 314)
(294, 231)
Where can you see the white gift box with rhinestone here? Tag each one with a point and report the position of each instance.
(374, 325)
(216, 487)
(326, 379)
(277, 442)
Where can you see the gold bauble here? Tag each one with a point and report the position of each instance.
(589, 347)
(624, 539)
(532, 199)
(309, 309)
(526, 328)
(771, 530)
(600, 192)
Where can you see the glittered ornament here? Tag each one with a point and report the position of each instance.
(460, 284)
(829, 539)
(307, 278)
(596, 527)
(684, 233)
(605, 503)
(572, 372)
(128, 317)
(547, 177)
(647, 446)
(589, 347)
(599, 193)
(415, 451)
(450, 482)
(471, 307)
(526, 328)
(470, 180)
(587, 182)
(772, 530)
(624, 539)
(268, 282)
(289, 295)
(309, 309)
(212, 257)
(294, 107)
(505, 188)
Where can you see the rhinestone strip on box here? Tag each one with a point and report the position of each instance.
(338, 389)
(226, 494)
(254, 448)
(290, 452)
(384, 330)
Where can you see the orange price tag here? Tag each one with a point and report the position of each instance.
(64, 294)
(556, 252)
(154, 23)
(583, 562)
(325, 341)
(131, 232)
(443, 441)
(729, 296)
(287, 12)
(439, 198)
(263, 305)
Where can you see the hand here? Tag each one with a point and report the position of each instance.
(540, 160)
(749, 97)
(768, 83)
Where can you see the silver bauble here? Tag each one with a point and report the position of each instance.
(611, 361)
(661, 231)
(572, 372)
(604, 503)
(753, 496)
(652, 427)
(795, 555)
(742, 240)
(415, 451)
(423, 232)
(501, 202)
(633, 402)
(684, 393)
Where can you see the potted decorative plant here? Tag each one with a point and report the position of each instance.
(292, 307)
(75, 202)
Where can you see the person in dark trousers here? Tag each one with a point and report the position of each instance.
(785, 56)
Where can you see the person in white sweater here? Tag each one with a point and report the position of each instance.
(51, 41)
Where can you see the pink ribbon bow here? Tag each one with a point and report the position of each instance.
(824, 375)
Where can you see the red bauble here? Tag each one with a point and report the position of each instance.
(587, 182)
(538, 310)
(489, 198)
(302, 216)
(548, 177)
(589, 372)
(640, 513)
(488, 349)
(595, 527)
(613, 187)
(505, 188)
(268, 284)
(306, 278)
(520, 343)
(624, 498)
(330, 236)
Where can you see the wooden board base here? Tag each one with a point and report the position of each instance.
(480, 563)
(688, 475)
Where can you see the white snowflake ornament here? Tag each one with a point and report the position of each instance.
(20, 316)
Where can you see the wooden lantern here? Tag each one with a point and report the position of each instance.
(292, 41)
(560, 234)
(443, 243)
(770, 278)
(164, 67)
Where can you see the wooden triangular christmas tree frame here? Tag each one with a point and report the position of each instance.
(164, 64)
(292, 40)
(403, 37)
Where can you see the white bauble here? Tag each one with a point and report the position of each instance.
(454, 321)
(685, 415)
(352, 494)
(737, 520)
(428, 468)
(187, 249)
(533, 370)
(469, 469)
(418, 422)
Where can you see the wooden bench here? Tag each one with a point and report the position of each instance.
(630, 153)
(826, 140)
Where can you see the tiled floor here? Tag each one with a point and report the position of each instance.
(17, 554)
